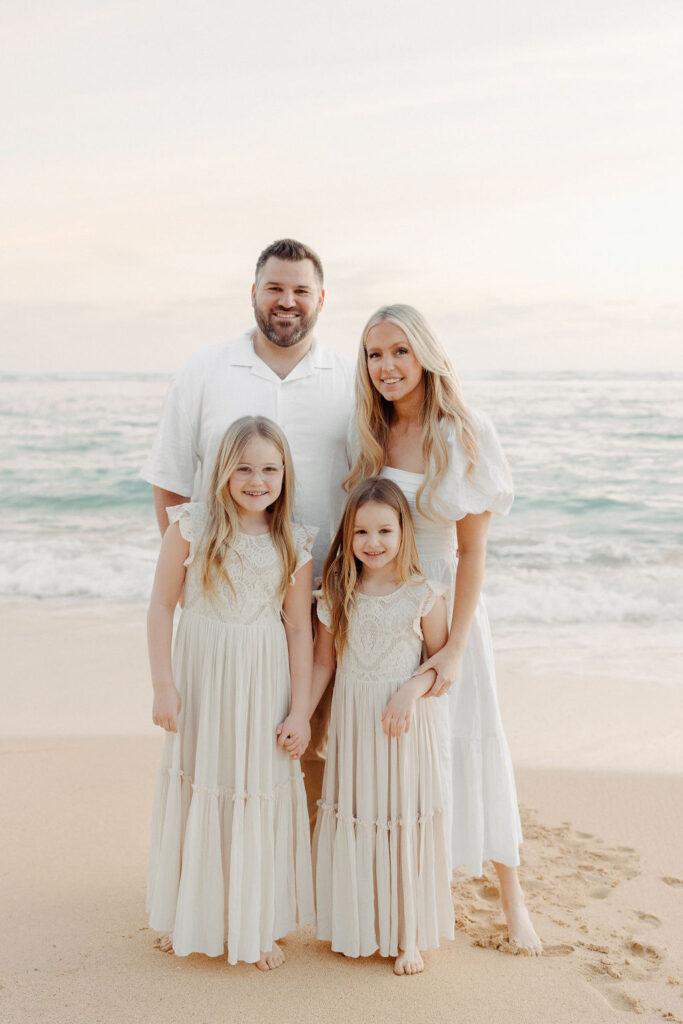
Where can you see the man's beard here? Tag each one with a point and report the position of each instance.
(306, 325)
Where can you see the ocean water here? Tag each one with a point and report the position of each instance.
(595, 534)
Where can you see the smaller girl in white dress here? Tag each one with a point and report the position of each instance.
(230, 860)
(380, 849)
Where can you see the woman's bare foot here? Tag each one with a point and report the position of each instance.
(164, 942)
(269, 961)
(521, 932)
(408, 962)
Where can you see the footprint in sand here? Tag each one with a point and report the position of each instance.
(559, 949)
(674, 882)
(489, 892)
(650, 953)
(601, 892)
(594, 948)
(601, 969)
(617, 998)
(647, 918)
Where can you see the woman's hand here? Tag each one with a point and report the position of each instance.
(398, 714)
(166, 707)
(294, 734)
(446, 665)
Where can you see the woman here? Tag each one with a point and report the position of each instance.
(413, 427)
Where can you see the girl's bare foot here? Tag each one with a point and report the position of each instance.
(164, 942)
(269, 961)
(408, 962)
(521, 932)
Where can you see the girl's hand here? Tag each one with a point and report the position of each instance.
(166, 708)
(446, 665)
(294, 734)
(398, 714)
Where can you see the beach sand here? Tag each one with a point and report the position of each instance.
(599, 767)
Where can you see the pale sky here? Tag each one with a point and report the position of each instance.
(512, 169)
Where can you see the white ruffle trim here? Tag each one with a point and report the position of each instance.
(383, 888)
(229, 869)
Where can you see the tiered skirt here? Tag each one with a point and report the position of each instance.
(229, 857)
(380, 852)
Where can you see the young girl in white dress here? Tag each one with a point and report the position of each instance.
(412, 426)
(230, 858)
(380, 848)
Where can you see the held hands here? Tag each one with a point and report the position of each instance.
(398, 714)
(166, 708)
(446, 665)
(294, 734)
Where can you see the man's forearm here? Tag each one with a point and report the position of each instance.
(163, 500)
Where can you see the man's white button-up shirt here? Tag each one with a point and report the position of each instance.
(312, 404)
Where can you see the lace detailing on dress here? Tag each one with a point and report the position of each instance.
(251, 590)
(230, 851)
(383, 650)
(382, 875)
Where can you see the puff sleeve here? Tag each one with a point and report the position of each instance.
(490, 487)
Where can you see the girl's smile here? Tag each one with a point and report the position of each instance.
(257, 481)
(376, 536)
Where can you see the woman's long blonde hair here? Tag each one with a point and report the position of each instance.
(223, 522)
(342, 569)
(443, 401)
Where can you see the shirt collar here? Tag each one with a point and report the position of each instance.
(241, 353)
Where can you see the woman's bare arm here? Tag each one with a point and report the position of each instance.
(472, 535)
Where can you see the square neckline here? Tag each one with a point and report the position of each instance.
(404, 472)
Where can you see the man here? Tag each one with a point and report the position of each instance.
(277, 369)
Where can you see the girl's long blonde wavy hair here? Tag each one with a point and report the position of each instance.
(342, 570)
(223, 523)
(443, 403)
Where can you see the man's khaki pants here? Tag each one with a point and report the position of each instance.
(313, 760)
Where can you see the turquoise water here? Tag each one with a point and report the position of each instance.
(595, 534)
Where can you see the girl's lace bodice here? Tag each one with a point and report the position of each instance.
(384, 645)
(254, 567)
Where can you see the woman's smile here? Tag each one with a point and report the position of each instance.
(392, 366)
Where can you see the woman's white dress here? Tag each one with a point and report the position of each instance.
(380, 846)
(479, 784)
(230, 856)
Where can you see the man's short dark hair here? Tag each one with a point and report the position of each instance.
(290, 249)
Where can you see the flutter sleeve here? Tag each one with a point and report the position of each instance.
(191, 519)
(304, 539)
(323, 609)
(489, 488)
(429, 591)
